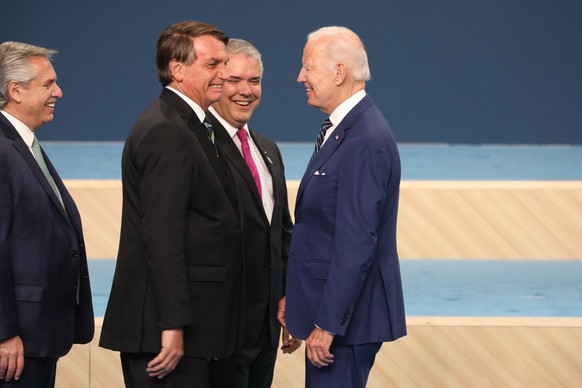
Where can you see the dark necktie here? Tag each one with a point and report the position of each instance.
(321, 135)
(210, 132)
(209, 129)
(36, 151)
(246, 150)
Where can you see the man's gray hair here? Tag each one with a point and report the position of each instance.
(15, 66)
(344, 45)
(240, 46)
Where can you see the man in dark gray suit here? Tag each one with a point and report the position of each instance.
(175, 297)
(258, 171)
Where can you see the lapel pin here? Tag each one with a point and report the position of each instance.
(337, 137)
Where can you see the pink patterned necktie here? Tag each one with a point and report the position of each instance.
(244, 141)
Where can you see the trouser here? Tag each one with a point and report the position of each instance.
(37, 373)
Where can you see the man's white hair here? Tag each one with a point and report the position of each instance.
(343, 45)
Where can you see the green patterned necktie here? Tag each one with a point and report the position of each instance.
(209, 129)
(42, 164)
(210, 132)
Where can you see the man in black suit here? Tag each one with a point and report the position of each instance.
(175, 298)
(45, 297)
(258, 172)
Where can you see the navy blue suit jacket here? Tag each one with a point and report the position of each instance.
(343, 272)
(42, 256)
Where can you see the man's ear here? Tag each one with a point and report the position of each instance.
(177, 70)
(13, 91)
(340, 73)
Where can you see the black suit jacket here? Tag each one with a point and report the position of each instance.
(265, 246)
(179, 261)
(42, 256)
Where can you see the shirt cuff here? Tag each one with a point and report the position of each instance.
(325, 331)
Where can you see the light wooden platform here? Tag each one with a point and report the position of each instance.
(442, 220)
(438, 352)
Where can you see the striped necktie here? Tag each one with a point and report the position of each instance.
(36, 151)
(327, 124)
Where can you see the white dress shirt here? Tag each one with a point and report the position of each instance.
(197, 109)
(266, 179)
(342, 110)
(25, 133)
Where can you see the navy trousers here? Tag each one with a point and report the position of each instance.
(37, 373)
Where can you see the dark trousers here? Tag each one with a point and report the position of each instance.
(190, 372)
(250, 367)
(37, 373)
(350, 369)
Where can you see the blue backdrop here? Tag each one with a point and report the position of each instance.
(453, 71)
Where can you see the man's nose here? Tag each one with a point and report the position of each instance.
(57, 92)
(301, 76)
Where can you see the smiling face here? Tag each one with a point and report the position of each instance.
(34, 103)
(318, 77)
(241, 92)
(202, 81)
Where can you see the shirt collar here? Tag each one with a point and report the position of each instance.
(197, 109)
(229, 128)
(345, 107)
(25, 133)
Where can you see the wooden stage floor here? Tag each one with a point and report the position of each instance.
(465, 220)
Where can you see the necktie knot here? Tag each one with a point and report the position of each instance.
(36, 146)
(242, 135)
(246, 150)
(209, 129)
(37, 153)
(327, 124)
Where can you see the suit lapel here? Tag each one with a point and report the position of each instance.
(213, 154)
(24, 151)
(332, 143)
(263, 150)
(234, 156)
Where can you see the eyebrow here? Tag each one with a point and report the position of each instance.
(235, 77)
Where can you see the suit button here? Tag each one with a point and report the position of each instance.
(241, 267)
(75, 253)
(297, 220)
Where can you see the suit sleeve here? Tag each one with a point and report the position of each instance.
(8, 316)
(361, 193)
(287, 224)
(166, 176)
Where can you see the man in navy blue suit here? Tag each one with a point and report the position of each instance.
(45, 298)
(344, 292)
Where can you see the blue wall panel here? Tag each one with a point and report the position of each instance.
(450, 71)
